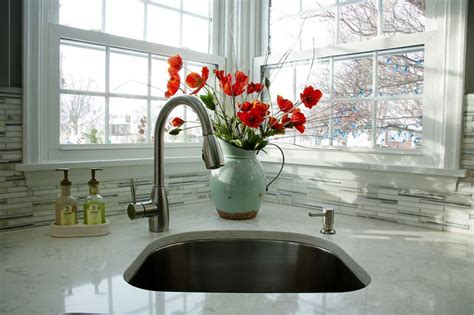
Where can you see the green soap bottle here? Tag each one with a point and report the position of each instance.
(66, 205)
(94, 207)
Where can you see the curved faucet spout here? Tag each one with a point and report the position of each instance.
(156, 209)
(212, 153)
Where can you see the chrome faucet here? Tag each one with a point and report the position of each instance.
(156, 209)
(328, 220)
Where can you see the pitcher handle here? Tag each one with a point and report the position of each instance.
(281, 168)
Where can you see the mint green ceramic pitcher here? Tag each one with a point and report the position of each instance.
(238, 188)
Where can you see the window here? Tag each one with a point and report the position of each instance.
(378, 65)
(106, 74)
(370, 100)
(115, 104)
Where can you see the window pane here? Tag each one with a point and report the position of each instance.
(281, 8)
(196, 33)
(86, 75)
(193, 134)
(201, 7)
(128, 72)
(352, 124)
(81, 119)
(163, 26)
(73, 13)
(403, 16)
(318, 29)
(170, 3)
(282, 81)
(284, 34)
(401, 74)
(315, 4)
(319, 77)
(317, 130)
(358, 22)
(353, 78)
(156, 106)
(125, 18)
(400, 124)
(159, 76)
(127, 120)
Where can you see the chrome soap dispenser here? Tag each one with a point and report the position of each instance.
(94, 206)
(66, 205)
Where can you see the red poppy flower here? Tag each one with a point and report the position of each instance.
(176, 63)
(196, 81)
(173, 84)
(177, 122)
(274, 124)
(310, 96)
(286, 121)
(298, 119)
(225, 81)
(254, 87)
(284, 104)
(260, 108)
(251, 118)
(246, 106)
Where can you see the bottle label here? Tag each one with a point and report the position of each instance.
(68, 215)
(94, 213)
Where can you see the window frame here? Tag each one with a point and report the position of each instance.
(444, 46)
(42, 90)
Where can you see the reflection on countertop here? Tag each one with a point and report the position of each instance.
(413, 270)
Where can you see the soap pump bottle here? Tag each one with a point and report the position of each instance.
(66, 205)
(94, 207)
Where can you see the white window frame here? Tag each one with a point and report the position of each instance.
(444, 44)
(42, 37)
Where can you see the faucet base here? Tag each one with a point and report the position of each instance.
(323, 231)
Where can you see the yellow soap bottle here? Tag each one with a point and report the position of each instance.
(94, 207)
(66, 205)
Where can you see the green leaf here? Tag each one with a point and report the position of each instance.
(175, 132)
(261, 145)
(208, 100)
(237, 143)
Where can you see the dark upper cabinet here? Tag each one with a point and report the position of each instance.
(10, 43)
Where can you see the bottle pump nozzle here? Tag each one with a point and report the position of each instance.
(65, 181)
(94, 181)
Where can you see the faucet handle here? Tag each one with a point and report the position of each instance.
(132, 190)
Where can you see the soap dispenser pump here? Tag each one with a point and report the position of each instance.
(94, 207)
(66, 205)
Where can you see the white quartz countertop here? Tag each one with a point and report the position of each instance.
(413, 270)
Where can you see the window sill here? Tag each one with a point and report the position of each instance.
(102, 164)
(370, 167)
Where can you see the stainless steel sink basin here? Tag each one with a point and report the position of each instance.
(246, 262)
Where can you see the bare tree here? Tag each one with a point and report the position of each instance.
(79, 114)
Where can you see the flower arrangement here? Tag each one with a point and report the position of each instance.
(253, 121)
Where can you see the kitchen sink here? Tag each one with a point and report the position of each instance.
(245, 262)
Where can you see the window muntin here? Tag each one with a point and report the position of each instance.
(380, 107)
(179, 23)
(113, 98)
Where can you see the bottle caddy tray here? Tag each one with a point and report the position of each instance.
(80, 230)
